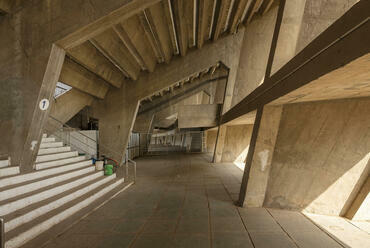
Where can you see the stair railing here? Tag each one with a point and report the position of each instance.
(2, 233)
(62, 131)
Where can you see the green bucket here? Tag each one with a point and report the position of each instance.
(108, 169)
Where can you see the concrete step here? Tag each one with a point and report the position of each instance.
(4, 163)
(14, 180)
(51, 144)
(46, 140)
(39, 184)
(44, 135)
(54, 163)
(25, 233)
(9, 171)
(23, 216)
(54, 150)
(40, 195)
(56, 156)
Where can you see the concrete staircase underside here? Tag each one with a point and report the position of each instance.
(63, 187)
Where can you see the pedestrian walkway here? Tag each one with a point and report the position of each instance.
(185, 201)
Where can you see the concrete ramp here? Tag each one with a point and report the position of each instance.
(193, 116)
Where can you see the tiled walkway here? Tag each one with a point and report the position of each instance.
(184, 201)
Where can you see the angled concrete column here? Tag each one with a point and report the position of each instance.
(27, 76)
(258, 164)
(220, 142)
(143, 122)
(31, 63)
(116, 116)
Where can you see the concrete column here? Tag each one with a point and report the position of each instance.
(262, 154)
(27, 75)
(220, 142)
(254, 55)
(288, 34)
(116, 116)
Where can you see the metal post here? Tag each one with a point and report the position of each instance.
(126, 164)
(134, 172)
(2, 235)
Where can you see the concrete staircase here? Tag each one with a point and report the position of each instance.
(6, 169)
(62, 185)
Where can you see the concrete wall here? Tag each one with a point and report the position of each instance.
(211, 140)
(236, 143)
(318, 16)
(321, 156)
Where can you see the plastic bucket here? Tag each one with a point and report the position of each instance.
(99, 165)
(108, 169)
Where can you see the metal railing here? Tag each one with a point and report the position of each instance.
(2, 234)
(134, 163)
(63, 131)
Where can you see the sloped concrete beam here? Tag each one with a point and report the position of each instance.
(194, 116)
(80, 78)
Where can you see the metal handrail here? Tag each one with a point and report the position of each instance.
(2, 234)
(134, 163)
(63, 124)
(100, 145)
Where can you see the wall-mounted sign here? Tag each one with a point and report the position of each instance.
(44, 104)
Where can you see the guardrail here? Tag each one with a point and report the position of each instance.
(2, 234)
(134, 163)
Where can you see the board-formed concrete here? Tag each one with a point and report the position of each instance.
(321, 155)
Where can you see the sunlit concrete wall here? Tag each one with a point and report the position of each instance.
(236, 143)
(318, 16)
(321, 157)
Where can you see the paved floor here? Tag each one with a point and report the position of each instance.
(184, 201)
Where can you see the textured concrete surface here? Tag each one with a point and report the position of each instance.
(203, 115)
(263, 156)
(321, 156)
(254, 55)
(236, 143)
(318, 16)
(360, 208)
(211, 141)
(185, 201)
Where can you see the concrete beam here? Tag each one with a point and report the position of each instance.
(224, 50)
(113, 48)
(80, 78)
(335, 47)
(88, 56)
(182, 93)
(194, 116)
(164, 34)
(222, 18)
(204, 21)
(133, 35)
(180, 24)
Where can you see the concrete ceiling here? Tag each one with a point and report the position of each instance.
(156, 35)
